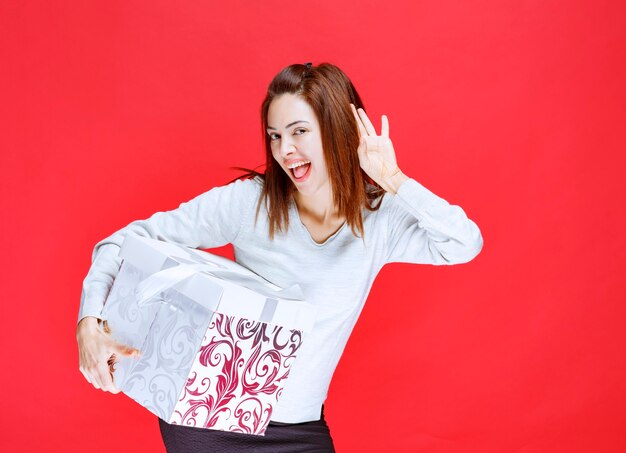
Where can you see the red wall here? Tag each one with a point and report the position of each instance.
(514, 110)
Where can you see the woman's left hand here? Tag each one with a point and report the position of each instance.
(376, 154)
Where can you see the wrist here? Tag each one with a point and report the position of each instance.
(88, 323)
(394, 181)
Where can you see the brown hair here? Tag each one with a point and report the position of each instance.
(329, 92)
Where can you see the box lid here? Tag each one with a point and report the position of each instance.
(194, 273)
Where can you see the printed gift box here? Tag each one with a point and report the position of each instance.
(217, 341)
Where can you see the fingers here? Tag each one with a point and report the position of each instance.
(384, 130)
(369, 127)
(359, 123)
(365, 125)
(86, 375)
(101, 377)
(93, 379)
(99, 372)
(104, 378)
(97, 356)
(90, 373)
(124, 350)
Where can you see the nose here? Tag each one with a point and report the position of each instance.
(286, 147)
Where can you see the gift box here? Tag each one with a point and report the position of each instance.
(217, 341)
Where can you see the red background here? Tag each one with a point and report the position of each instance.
(513, 110)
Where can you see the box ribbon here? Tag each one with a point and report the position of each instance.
(175, 276)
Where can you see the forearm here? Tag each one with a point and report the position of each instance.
(211, 219)
(425, 228)
(99, 280)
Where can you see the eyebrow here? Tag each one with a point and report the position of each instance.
(288, 125)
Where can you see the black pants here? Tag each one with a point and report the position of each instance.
(309, 437)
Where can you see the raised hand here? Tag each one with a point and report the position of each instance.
(376, 154)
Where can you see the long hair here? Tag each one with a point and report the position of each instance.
(329, 92)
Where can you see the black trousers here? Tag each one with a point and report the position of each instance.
(309, 437)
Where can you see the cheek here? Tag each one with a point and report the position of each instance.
(317, 150)
(275, 155)
(277, 161)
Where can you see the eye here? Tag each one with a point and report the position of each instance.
(303, 131)
(272, 136)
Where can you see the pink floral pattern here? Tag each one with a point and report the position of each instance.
(237, 376)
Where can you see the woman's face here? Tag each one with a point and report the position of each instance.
(295, 137)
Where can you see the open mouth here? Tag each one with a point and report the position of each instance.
(301, 172)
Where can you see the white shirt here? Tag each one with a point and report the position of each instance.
(413, 226)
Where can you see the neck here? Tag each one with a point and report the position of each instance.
(319, 205)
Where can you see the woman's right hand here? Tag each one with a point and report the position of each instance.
(96, 349)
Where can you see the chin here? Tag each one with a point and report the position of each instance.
(309, 189)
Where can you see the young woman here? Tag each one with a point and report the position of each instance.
(330, 210)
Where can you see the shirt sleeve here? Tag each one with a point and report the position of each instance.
(423, 228)
(212, 219)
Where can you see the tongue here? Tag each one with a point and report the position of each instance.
(299, 172)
